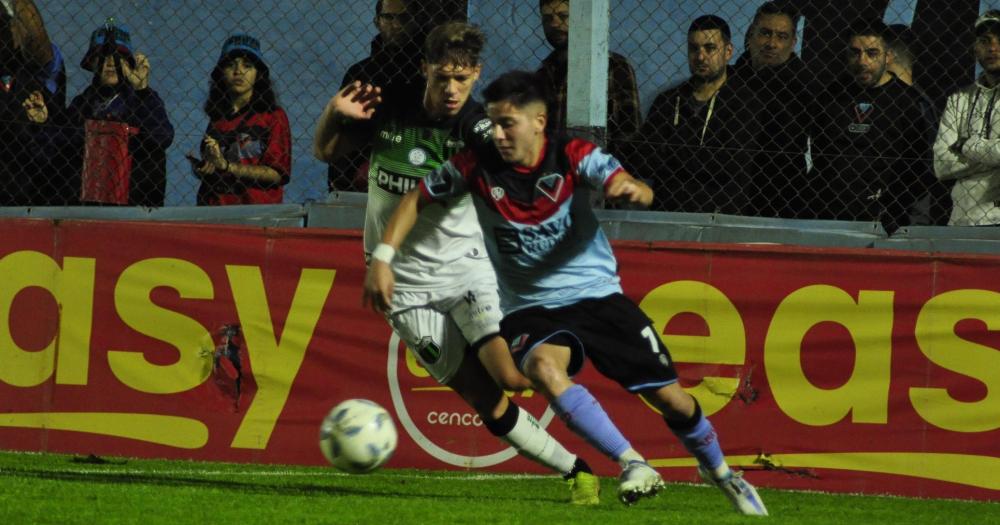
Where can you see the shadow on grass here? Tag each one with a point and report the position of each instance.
(389, 488)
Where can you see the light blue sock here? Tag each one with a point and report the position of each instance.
(700, 440)
(585, 417)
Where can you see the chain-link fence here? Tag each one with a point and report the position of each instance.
(769, 113)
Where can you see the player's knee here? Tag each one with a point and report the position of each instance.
(544, 370)
(513, 380)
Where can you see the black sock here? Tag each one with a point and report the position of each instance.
(502, 426)
(579, 466)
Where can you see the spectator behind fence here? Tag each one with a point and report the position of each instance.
(119, 125)
(33, 82)
(967, 149)
(872, 139)
(700, 135)
(932, 208)
(394, 63)
(247, 148)
(623, 95)
(779, 88)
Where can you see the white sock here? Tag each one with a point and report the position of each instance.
(535, 443)
(720, 472)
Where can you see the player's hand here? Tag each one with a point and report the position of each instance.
(138, 76)
(357, 101)
(626, 189)
(35, 108)
(379, 283)
(213, 154)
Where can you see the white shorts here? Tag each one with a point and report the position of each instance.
(438, 326)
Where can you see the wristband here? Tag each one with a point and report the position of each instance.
(383, 252)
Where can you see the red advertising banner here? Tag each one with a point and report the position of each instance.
(839, 370)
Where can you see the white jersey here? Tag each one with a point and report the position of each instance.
(446, 243)
(444, 248)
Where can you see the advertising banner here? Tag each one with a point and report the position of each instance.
(821, 369)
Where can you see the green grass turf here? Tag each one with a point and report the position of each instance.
(50, 488)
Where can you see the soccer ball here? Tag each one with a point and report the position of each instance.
(357, 436)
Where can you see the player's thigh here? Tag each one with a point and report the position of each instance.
(526, 331)
(433, 338)
(476, 309)
(473, 383)
(623, 345)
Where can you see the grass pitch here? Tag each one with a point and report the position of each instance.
(49, 488)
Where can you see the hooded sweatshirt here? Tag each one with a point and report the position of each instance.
(700, 153)
(967, 151)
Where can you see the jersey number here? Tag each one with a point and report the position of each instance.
(654, 343)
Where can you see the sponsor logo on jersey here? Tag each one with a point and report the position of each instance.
(395, 183)
(550, 185)
(532, 240)
(389, 136)
(451, 143)
(417, 157)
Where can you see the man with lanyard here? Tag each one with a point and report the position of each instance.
(446, 299)
(558, 279)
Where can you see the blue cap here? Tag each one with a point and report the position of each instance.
(110, 38)
(242, 44)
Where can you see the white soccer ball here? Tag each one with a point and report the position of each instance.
(358, 436)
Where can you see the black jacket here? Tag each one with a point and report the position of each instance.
(392, 69)
(779, 97)
(871, 150)
(699, 154)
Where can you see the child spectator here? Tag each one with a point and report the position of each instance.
(124, 125)
(247, 147)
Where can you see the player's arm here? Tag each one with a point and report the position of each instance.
(445, 182)
(379, 281)
(623, 187)
(335, 136)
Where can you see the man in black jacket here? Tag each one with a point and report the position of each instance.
(778, 83)
(698, 138)
(872, 139)
(394, 63)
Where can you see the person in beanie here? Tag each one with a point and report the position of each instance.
(246, 152)
(119, 129)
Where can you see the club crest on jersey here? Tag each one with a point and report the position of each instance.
(417, 157)
(550, 185)
(518, 343)
(497, 193)
(862, 110)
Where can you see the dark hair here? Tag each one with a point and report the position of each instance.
(455, 43)
(262, 100)
(520, 88)
(543, 3)
(378, 7)
(876, 28)
(777, 8)
(711, 23)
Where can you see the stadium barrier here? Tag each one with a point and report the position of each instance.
(834, 369)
